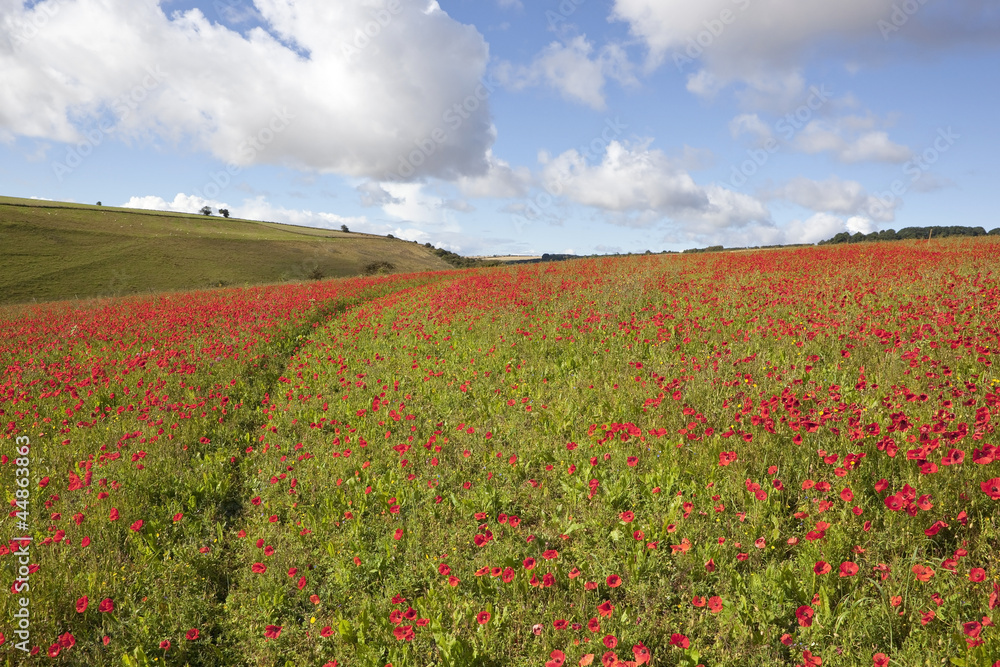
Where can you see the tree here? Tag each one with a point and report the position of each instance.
(224, 212)
(344, 228)
(98, 203)
(390, 236)
(206, 210)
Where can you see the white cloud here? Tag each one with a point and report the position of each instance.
(823, 226)
(751, 124)
(304, 92)
(500, 181)
(875, 147)
(842, 138)
(570, 68)
(257, 208)
(762, 42)
(182, 203)
(373, 194)
(640, 186)
(834, 196)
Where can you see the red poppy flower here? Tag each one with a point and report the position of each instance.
(272, 631)
(760, 543)
(991, 487)
(258, 568)
(848, 569)
(811, 660)
(106, 605)
(679, 640)
(178, 516)
(192, 634)
(614, 581)
(698, 601)
(67, 640)
(454, 581)
(880, 660)
(805, 615)
(972, 629)
(822, 567)
(165, 645)
(556, 659)
(53, 650)
(977, 574)
(81, 604)
(627, 516)
(922, 572)
(444, 569)
(550, 554)
(113, 514)
(398, 534)
(560, 624)
(594, 625)
(725, 458)
(632, 461)
(605, 608)
(710, 565)
(610, 641)
(995, 596)
(641, 654)
(715, 604)
(403, 633)
(529, 563)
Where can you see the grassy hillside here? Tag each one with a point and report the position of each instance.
(53, 250)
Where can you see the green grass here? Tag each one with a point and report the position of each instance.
(54, 251)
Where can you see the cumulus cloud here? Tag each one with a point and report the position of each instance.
(763, 42)
(642, 185)
(309, 89)
(257, 208)
(850, 141)
(500, 181)
(823, 226)
(573, 69)
(753, 125)
(373, 194)
(834, 196)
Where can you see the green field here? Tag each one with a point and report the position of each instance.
(54, 251)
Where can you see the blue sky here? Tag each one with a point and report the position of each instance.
(507, 126)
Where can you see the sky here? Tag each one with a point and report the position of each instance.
(496, 127)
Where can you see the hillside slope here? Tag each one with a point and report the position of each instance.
(52, 250)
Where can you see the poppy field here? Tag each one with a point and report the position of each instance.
(779, 457)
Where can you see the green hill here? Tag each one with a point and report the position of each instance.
(52, 250)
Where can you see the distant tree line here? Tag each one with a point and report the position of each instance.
(908, 233)
(458, 261)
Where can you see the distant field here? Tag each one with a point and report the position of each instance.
(53, 250)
